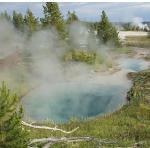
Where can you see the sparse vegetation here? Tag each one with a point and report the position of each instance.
(138, 41)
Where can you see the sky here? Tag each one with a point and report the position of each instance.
(88, 11)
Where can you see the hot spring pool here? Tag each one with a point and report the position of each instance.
(62, 102)
(132, 64)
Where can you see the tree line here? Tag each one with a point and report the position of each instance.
(53, 18)
(30, 23)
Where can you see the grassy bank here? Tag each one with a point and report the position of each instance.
(123, 50)
(138, 41)
(128, 127)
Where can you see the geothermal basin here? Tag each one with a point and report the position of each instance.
(86, 97)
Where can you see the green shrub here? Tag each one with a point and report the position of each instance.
(85, 56)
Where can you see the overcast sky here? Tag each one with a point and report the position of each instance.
(89, 11)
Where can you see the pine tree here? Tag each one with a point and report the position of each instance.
(12, 134)
(18, 21)
(5, 15)
(30, 21)
(71, 17)
(106, 31)
(53, 18)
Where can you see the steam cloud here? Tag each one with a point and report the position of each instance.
(138, 21)
(44, 50)
(38, 62)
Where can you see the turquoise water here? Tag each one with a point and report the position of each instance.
(133, 64)
(62, 102)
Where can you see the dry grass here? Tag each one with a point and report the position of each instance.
(136, 41)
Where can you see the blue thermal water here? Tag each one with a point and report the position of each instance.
(133, 64)
(73, 100)
(62, 101)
